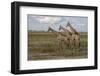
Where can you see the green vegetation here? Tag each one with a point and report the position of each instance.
(44, 45)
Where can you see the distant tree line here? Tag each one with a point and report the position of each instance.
(36, 31)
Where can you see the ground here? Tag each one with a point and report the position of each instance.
(44, 45)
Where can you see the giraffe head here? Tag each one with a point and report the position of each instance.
(60, 27)
(49, 28)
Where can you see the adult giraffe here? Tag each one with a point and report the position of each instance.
(75, 35)
(62, 41)
(68, 35)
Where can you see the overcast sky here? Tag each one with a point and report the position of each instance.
(42, 22)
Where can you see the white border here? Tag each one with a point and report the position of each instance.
(26, 65)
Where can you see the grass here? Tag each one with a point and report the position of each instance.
(44, 45)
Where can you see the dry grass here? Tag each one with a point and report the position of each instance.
(44, 45)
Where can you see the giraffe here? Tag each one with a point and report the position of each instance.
(62, 41)
(75, 35)
(68, 35)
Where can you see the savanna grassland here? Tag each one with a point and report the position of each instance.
(44, 45)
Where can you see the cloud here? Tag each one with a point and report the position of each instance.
(81, 24)
(42, 22)
(47, 19)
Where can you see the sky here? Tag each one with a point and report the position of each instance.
(42, 22)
